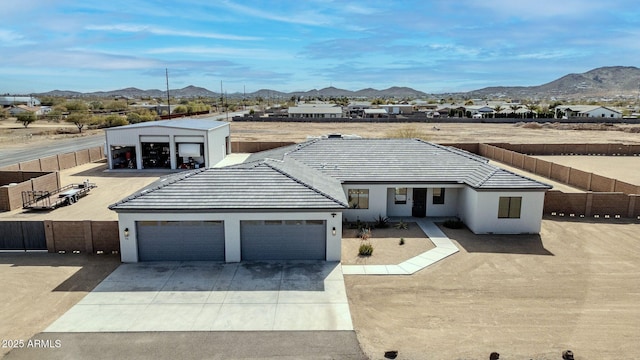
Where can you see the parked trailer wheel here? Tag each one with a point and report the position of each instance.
(71, 200)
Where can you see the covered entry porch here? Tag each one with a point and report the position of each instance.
(422, 201)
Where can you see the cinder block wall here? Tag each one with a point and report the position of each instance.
(49, 163)
(67, 161)
(85, 236)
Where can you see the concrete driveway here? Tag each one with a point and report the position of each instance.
(209, 296)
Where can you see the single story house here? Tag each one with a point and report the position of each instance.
(398, 109)
(290, 202)
(597, 111)
(315, 111)
(168, 144)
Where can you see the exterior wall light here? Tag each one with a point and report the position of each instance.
(333, 231)
(126, 232)
(333, 214)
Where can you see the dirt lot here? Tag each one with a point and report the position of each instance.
(625, 168)
(39, 288)
(576, 286)
(436, 132)
(13, 134)
(386, 245)
(113, 186)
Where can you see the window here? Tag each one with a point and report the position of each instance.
(509, 207)
(401, 196)
(359, 198)
(438, 196)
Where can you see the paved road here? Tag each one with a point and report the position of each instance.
(193, 345)
(26, 152)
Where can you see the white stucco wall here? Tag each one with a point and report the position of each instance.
(450, 206)
(129, 245)
(479, 211)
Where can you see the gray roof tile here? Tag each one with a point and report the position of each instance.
(259, 187)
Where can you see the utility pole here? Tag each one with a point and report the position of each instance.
(221, 96)
(166, 71)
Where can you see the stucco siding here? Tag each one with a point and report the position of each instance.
(484, 218)
(450, 206)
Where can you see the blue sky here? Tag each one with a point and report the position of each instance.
(432, 46)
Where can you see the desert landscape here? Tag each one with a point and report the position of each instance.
(526, 296)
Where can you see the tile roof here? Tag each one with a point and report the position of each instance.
(260, 186)
(405, 161)
(310, 176)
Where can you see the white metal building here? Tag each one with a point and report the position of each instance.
(168, 144)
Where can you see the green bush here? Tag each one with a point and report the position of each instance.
(366, 249)
(401, 241)
(453, 224)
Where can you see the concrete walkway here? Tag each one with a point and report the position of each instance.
(444, 248)
(209, 296)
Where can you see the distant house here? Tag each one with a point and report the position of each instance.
(19, 100)
(20, 109)
(479, 111)
(597, 111)
(398, 109)
(315, 111)
(374, 113)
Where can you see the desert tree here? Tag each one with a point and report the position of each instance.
(26, 118)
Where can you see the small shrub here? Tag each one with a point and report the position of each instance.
(401, 225)
(381, 222)
(366, 249)
(453, 224)
(532, 125)
(401, 241)
(364, 233)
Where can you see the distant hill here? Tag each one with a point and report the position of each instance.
(195, 92)
(612, 81)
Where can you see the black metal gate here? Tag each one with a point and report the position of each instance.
(22, 235)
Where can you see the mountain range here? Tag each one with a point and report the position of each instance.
(613, 81)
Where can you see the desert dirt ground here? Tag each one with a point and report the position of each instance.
(13, 134)
(386, 245)
(38, 288)
(625, 168)
(575, 286)
(435, 132)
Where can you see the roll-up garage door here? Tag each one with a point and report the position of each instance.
(283, 240)
(180, 240)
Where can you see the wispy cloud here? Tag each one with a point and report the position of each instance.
(220, 51)
(303, 15)
(137, 28)
(12, 38)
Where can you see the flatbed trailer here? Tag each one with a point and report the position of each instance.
(49, 200)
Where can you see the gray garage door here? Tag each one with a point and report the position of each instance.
(283, 240)
(180, 240)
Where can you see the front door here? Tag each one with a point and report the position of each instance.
(419, 208)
